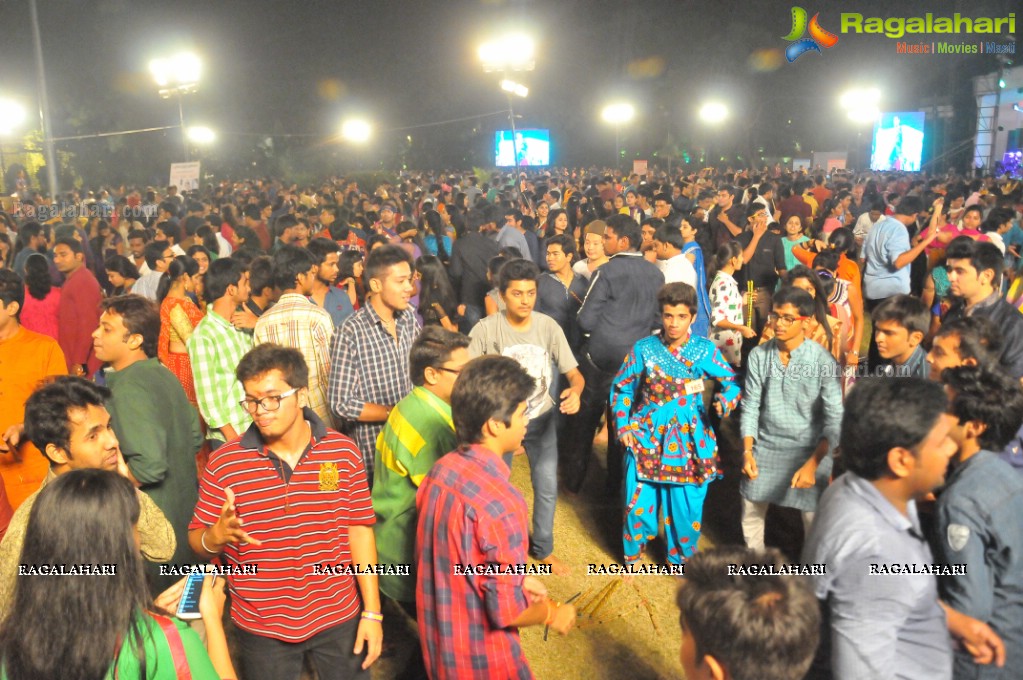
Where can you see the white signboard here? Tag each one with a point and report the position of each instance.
(639, 167)
(185, 176)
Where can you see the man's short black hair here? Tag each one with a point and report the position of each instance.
(626, 227)
(757, 627)
(907, 311)
(321, 247)
(797, 297)
(909, 205)
(882, 414)
(677, 293)
(72, 243)
(47, 417)
(670, 235)
(979, 339)
(516, 269)
(566, 242)
(264, 358)
(222, 273)
(383, 258)
(289, 263)
(981, 255)
(153, 253)
(432, 348)
(261, 274)
(140, 316)
(285, 222)
(992, 399)
(12, 289)
(490, 386)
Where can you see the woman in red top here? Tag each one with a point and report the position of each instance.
(178, 318)
(42, 298)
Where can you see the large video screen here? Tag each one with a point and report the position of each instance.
(527, 148)
(898, 141)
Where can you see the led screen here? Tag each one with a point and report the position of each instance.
(528, 147)
(898, 141)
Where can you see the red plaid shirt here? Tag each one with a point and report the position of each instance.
(470, 514)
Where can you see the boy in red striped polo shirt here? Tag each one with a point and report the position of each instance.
(287, 510)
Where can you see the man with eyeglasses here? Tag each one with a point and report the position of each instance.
(158, 257)
(287, 507)
(419, 430)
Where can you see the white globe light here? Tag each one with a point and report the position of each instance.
(356, 130)
(201, 135)
(618, 113)
(713, 112)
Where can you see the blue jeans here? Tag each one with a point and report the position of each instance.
(541, 444)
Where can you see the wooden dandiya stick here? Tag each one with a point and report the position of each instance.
(646, 605)
(749, 303)
(587, 609)
(607, 596)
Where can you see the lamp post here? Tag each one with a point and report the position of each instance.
(617, 114)
(12, 114)
(177, 76)
(510, 53)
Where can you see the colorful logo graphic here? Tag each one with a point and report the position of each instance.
(819, 37)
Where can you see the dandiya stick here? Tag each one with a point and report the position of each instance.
(607, 596)
(587, 609)
(749, 304)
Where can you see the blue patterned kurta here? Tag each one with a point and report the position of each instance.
(787, 410)
(648, 398)
(676, 456)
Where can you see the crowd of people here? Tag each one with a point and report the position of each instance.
(320, 390)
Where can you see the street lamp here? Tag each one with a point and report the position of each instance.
(201, 135)
(861, 104)
(509, 53)
(713, 113)
(12, 114)
(617, 114)
(356, 130)
(177, 76)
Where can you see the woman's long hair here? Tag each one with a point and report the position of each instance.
(73, 627)
(435, 287)
(725, 252)
(817, 228)
(432, 221)
(37, 276)
(179, 266)
(820, 298)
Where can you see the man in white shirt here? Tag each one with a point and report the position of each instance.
(674, 265)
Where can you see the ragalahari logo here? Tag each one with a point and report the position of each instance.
(819, 37)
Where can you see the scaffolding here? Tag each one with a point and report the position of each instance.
(987, 92)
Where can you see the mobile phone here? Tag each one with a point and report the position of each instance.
(188, 606)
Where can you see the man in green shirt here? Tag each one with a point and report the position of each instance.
(419, 430)
(156, 425)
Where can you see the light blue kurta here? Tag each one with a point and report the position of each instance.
(787, 410)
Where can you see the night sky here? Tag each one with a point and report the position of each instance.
(299, 68)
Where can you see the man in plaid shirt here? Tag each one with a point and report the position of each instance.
(369, 352)
(471, 518)
(215, 349)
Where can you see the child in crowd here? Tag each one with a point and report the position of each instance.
(658, 407)
(790, 418)
(900, 323)
(793, 237)
(727, 327)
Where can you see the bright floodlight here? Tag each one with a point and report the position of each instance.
(512, 52)
(516, 89)
(356, 130)
(618, 113)
(713, 112)
(201, 135)
(12, 114)
(181, 70)
(861, 104)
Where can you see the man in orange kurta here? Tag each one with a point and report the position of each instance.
(26, 358)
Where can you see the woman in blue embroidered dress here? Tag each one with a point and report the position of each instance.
(658, 408)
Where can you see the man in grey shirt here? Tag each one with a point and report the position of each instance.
(879, 592)
(537, 342)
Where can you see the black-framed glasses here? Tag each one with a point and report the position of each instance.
(453, 371)
(271, 403)
(776, 319)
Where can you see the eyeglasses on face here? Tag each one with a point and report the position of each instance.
(784, 320)
(452, 371)
(271, 403)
